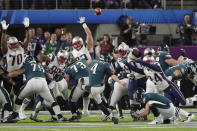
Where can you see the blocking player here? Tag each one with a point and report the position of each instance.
(36, 84)
(82, 50)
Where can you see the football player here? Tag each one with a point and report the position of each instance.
(36, 84)
(161, 107)
(83, 50)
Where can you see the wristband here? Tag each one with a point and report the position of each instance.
(84, 25)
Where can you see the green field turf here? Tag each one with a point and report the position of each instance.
(93, 123)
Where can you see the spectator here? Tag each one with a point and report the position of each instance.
(154, 3)
(126, 4)
(47, 38)
(39, 33)
(111, 4)
(50, 4)
(98, 48)
(58, 33)
(185, 30)
(98, 4)
(34, 47)
(52, 46)
(106, 46)
(66, 41)
(127, 32)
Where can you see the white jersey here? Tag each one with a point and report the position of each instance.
(138, 65)
(55, 67)
(158, 78)
(14, 59)
(82, 53)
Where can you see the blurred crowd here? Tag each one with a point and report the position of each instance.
(79, 4)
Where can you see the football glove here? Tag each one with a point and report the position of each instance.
(4, 25)
(26, 22)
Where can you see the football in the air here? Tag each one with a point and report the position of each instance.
(97, 11)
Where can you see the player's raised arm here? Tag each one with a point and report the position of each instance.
(4, 46)
(89, 38)
(26, 24)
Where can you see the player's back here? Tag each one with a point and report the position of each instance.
(162, 57)
(14, 59)
(78, 69)
(157, 100)
(33, 69)
(97, 72)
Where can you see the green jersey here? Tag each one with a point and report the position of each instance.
(162, 57)
(33, 69)
(157, 100)
(78, 69)
(98, 69)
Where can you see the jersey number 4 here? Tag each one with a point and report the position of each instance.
(93, 68)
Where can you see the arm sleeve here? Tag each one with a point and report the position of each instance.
(151, 66)
(135, 69)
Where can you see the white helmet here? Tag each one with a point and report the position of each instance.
(13, 43)
(149, 51)
(149, 59)
(123, 49)
(62, 56)
(134, 54)
(77, 43)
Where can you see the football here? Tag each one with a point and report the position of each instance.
(97, 11)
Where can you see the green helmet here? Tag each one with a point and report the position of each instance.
(105, 57)
(139, 95)
(29, 59)
(163, 47)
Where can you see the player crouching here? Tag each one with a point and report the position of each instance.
(161, 107)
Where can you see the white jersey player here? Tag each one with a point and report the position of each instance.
(80, 51)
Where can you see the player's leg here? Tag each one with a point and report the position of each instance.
(63, 88)
(86, 100)
(96, 93)
(6, 103)
(44, 92)
(37, 108)
(167, 114)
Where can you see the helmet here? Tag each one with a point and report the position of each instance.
(139, 95)
(29, 59)
(123, 49)
(13, 43)
(77, 43)
(149, 59)
(62, 56)
(163, 47)
(149, 51)
(134, 54)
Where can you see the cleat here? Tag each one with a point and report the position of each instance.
(85, 113)
(156, 121)
(74, 119)
(62, 119)
(34, 119)
(53, 119)
(115, 120)
(79, 115)
(105, 117)
(121, 117)
(190, 118)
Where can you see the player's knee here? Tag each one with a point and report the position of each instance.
(86, 94)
